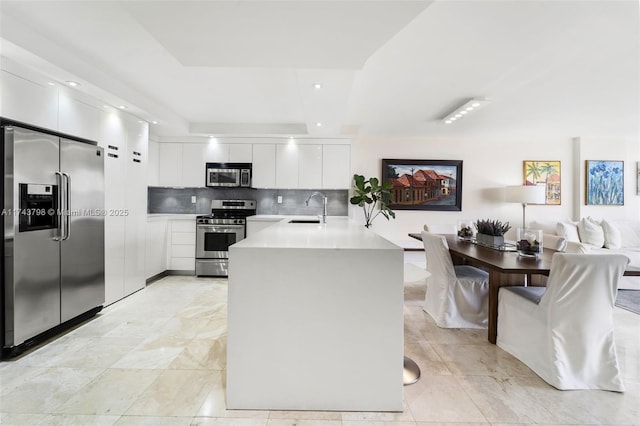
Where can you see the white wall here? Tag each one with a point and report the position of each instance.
(488, 167)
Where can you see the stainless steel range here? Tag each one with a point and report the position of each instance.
(225, 226)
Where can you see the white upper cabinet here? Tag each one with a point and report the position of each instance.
(310, 166)
(336, 166)
(287, 166)
(216, 152)
(240, 153)
(193, 164)
(28, 102)
(152, 167)
(264, 166)
(77, 118)
(170, 164)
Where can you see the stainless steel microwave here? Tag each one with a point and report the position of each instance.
(228, 175)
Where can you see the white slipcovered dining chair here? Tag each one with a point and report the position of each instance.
(564, 332)
(457, 296)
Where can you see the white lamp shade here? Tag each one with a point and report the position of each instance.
(526, 194)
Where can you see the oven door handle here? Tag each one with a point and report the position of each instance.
(218, 228)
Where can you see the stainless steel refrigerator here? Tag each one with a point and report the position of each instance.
(53, 219)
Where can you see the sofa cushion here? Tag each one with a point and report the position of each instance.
(629, 232)
(568, 230)
(612, 237)
(591, 232)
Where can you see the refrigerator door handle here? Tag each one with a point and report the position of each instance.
(59, 210)
(67, 197)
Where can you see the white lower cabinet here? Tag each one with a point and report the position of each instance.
(183, 245)
(156, 259)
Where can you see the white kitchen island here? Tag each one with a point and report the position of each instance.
(315, 319)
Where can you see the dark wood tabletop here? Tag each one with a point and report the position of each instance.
(504, 267)
(505, 261)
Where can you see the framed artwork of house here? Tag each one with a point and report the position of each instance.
(424, 184)
(605, 183)
(547, 173)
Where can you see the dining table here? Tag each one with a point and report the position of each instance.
(505, 267)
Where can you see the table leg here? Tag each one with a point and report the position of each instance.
(495, 281)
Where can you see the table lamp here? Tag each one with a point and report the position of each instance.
(526, 194)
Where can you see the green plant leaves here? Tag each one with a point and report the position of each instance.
(370, 193)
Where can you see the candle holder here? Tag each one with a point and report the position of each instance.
(529, 242)
(466, 230)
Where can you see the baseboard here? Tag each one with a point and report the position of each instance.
(168, 272)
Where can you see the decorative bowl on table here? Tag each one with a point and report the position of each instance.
(529, 242)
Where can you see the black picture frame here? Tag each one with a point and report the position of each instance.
(424, 184)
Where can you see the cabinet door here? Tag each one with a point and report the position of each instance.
(240, 153)
(77, 118)
(336, 167)
(156, 252)
(23, 100)
(264, 166)
(310, 166)
(153, 164)
(193, 164)
(136, 200)
(113, 138)
(287, 166)
(170, 164)
(216, 152)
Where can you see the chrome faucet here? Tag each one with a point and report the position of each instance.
(324, 204)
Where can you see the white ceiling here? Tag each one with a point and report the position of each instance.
(388, 68)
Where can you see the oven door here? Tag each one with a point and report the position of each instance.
(223, 177)
(213, 241)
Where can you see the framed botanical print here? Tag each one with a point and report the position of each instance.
(545, 173)
(424, 184)
(604, 183)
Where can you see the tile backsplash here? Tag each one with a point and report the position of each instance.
(178, 200)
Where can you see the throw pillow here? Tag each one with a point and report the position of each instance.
(568, 230)
(591, 232)
(612, 237)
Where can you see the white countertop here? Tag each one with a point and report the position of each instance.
(338, 233)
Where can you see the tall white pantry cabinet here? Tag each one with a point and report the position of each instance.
(27, 97)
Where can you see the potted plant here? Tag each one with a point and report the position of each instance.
(491, 232)
(369, 194)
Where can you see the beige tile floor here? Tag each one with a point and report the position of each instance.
(158, 358)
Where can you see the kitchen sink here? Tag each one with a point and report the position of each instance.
(304, 221)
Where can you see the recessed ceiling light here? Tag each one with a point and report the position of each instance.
(317, 86)
(318, 124)
(122, 107)
(50, 83)
(72, 83)
(154, 122)
(140, 121)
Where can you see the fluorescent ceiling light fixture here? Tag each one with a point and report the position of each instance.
(72, 83)
(154, 122)
(465, 109)
(122, 107)
(317, 86)
(50, 83)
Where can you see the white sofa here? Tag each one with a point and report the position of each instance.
(597, 236)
